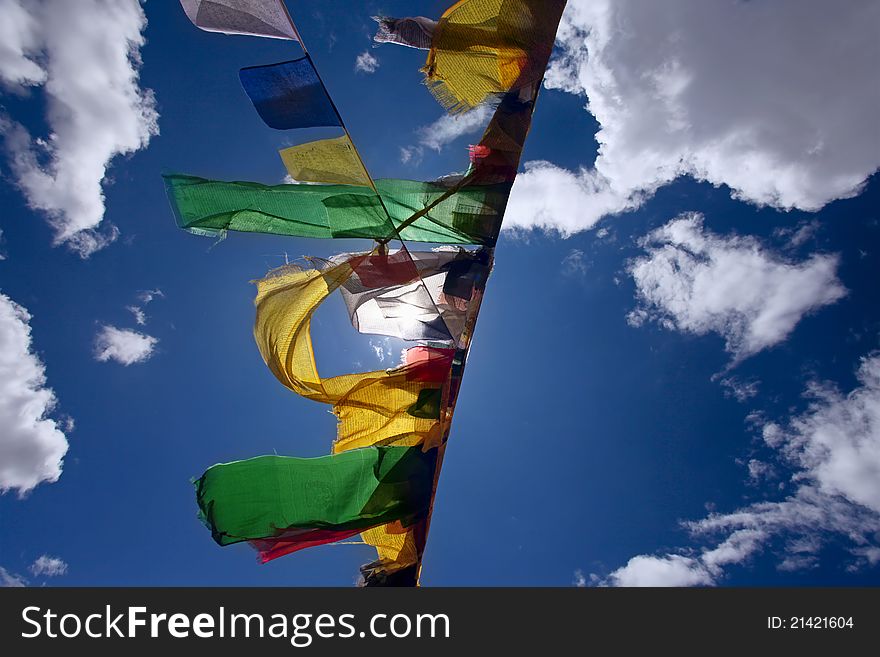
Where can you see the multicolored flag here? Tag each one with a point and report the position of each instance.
(392, 424)
(421, 296)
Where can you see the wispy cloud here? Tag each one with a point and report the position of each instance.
(695, 281)
(144, 297)
(410, 154)
(366, 62)
(125, 346)
(666, 82)
(382, 349)
(740, 389)
(85, 56)
(450, 127)
(760, 471)
(32, 446)
(11, 580)
(796, 236)
(575, 263)
(140, 317)
(832, 452)
(445, 130)
(46, 566)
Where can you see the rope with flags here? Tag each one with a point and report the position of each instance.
(393, 425)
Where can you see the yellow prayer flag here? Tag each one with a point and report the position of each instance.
(325, 161)
(373, 408)
(485, 47)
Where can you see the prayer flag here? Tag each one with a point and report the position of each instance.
(472, 215)
(307, 501)
(412, 32)
(266, 18)
(325, 161)
(481, 48)
(289, 95)
(430, 305)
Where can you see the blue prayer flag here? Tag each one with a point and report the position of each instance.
(289, 95)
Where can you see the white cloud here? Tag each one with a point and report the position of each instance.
(444, 131)
(575, 263)
(140, 317)
(366, 62)
(558, 200)
(794, 562)
(798, 235)
(85, 55)
(2, 254)
(759, 471)
(671, 570)
(833, 452)
(410, 154)
(837, 443)
(739, 389)
(736, 548)
(19, 45)
(871, 555)
(32, 447)
(11, 580)
(776, 100)
(123, 345)
(68, 424)
(698, 282)
(382, 349)
(144, 297)
(450, 127)
(47, 566)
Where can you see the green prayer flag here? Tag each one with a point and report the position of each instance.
(471, 215)
(266, 496)
(427, 404)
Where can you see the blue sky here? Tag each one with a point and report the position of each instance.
(672, 332)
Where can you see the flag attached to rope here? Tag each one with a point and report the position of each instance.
(480, 48)
(265, 18)
(404, 406)
(332, 161)
(471, 215)
(286, 503)
(213, 206)
(289, 95)
(487, 47)
(392, 424)
(412, 32)
(421, 296)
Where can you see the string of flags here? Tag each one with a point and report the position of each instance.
(381, 476)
